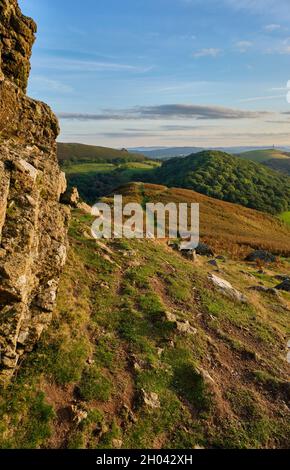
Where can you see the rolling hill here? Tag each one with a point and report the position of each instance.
(170, 152)
(275, 159)
(279, 164)
(96, 171)
(165, 153)
(95, 180)
(68, 153)
(226, 227)
(262, 156)
(225, 177)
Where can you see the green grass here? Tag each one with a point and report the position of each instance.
(94, 385)
(79, 168)
(26, 417)
(90, 153)
(94, 180)
(285, 217)
(88, 168)
(110, 340)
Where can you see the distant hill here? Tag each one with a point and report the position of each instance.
(165, 153)
(275, 159)
(282, 165)
(262, 156)
(223, 225)
(225, 177)
(90, 153)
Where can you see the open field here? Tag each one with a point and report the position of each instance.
(87, 168)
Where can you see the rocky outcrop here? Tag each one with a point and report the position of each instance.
(261, 255)
(17, 34)
(33, 241)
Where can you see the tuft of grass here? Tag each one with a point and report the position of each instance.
(27, 416)
(190, 386)
(285, 217)
(94, 385)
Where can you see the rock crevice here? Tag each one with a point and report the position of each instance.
(33, 223)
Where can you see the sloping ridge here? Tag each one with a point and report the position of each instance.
(68, 152)
(225, 226)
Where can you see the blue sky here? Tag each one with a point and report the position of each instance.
(164, 72)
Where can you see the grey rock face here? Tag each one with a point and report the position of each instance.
(33, 223)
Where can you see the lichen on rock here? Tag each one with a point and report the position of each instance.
(17, 34)
(33, 223)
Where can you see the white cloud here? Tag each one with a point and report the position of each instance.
(243, 46)
(209, 52)
(285, 50)
(272, 27)
(166, 112)
(261, 98)
(74, 65)
(40, 83)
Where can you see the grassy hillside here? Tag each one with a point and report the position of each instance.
(228, 178)
(262, 156)
(282, 165)
(95, 180)
(89, 153)
(228, 228)
(285, 217)
(144, 352)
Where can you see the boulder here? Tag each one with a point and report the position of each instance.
(204, 250)
(117, 443)
(182, 326)
(150, 399)
(285, 285)
(206, 376)
(71, 197)
(261, 255)
(265, 290)
(227, 289)
(84, 208)
(282, 277)
(213, 263)
(185, 327)
(189, 254)
(79, 415)
(221, 258)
